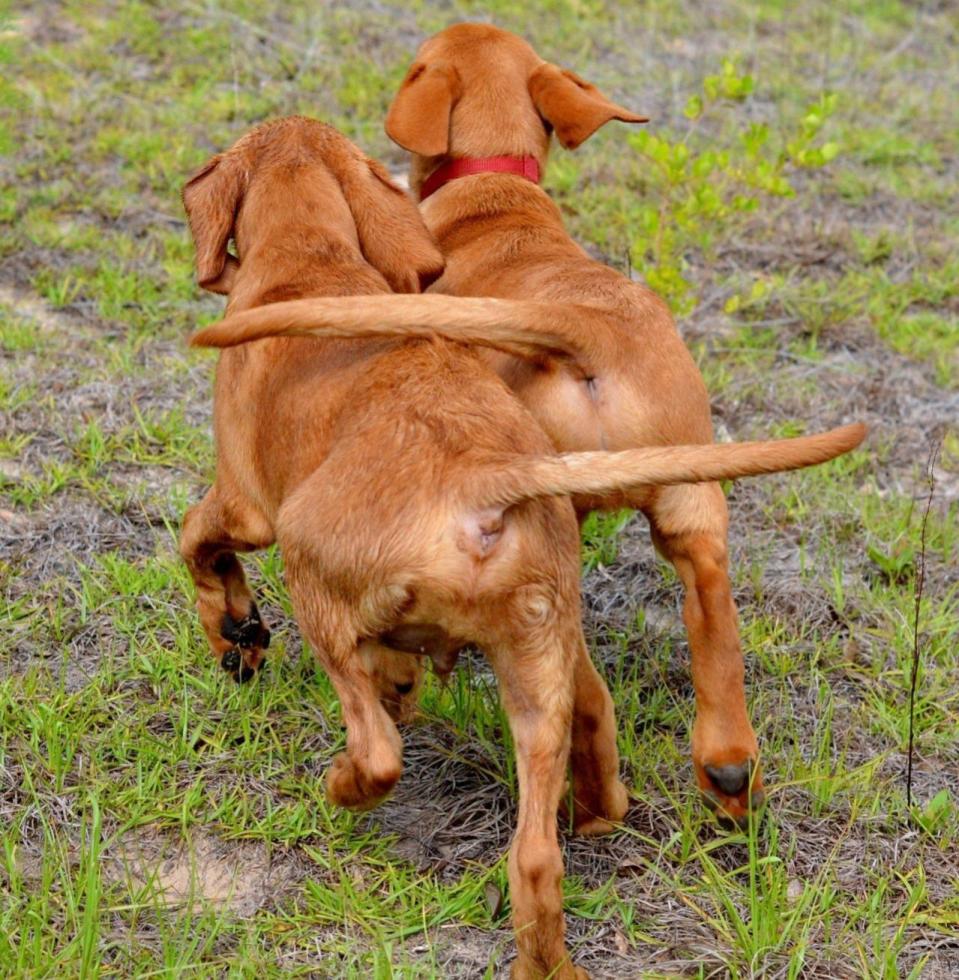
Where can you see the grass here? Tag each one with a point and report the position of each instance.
(794, 200)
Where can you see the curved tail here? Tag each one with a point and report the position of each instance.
(520, 327)
(599, 473)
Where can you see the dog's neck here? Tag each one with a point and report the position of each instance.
(467, 211)
(524, 166)
(286, 268)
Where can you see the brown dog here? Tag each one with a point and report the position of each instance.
(383, 471)
(595, 357)
(417, 504)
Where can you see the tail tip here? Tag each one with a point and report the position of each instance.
(202, 338)
(854, 433)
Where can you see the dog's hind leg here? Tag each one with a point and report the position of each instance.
(689, 527)
(599, 798)
(213, 531)
(366, 772)
(535, 677)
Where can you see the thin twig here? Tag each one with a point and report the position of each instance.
(920, 582)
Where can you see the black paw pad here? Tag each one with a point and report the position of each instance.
(232, 663)
(731, 779)
(246, 632)
(729, 823)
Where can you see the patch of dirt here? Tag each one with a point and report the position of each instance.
(202, 870)
(27, 305)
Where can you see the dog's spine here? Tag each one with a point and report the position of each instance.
(597, 473)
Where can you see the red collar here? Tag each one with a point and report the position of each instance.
(527, 167)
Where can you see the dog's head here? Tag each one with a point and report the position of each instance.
(477, 90)
(300, 167)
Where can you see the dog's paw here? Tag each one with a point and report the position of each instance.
(732, 790)
(349, 786)
(600, 817)
(236, 662)
(248, 638)
(525, 969)
(247, 632)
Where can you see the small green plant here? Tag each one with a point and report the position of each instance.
(692, 192)
(937, 813)
(895, 563)
(57, 289)
(599, 534)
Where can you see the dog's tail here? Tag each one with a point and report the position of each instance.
(520, 327)
(598, 473)
(527, 329)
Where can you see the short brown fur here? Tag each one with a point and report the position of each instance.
(362, 460)
(595, 357)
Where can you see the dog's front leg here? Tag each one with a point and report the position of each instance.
(536, 689)
(213, 531)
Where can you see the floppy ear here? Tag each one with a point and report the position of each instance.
(211, 198)
(419, 118)
(392, 235)
(573, 107)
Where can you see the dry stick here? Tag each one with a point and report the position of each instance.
(920, 582)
